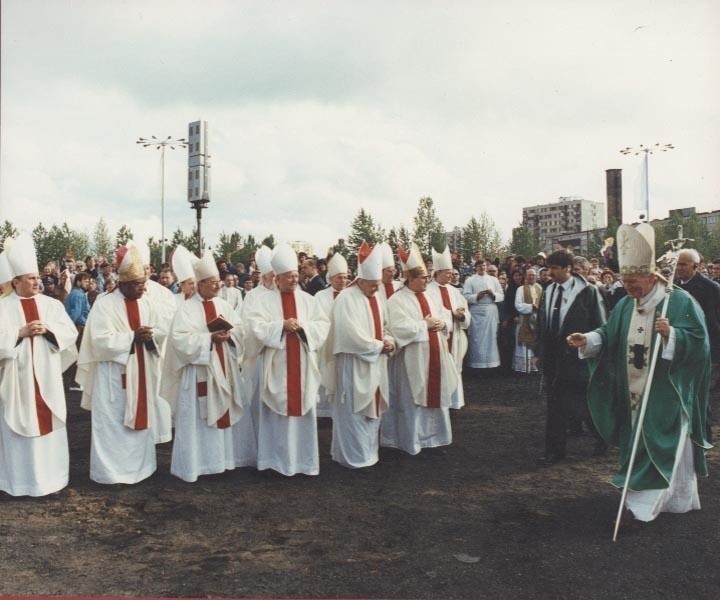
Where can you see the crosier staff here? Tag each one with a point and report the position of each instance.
(675, 246)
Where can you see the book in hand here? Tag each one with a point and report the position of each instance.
(219, 323)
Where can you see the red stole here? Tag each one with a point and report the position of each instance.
(446, 303)
(389, 289)
(433, 384)
(292, 351)
(210, 314)
(335, 294)
(377, 323)
(44, 415)
(141, 416)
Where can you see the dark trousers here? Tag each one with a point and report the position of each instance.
(566, 405)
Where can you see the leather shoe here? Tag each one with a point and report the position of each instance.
(549, 459)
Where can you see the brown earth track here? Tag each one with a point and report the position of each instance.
(404, 528)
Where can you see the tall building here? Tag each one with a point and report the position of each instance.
(198, 161)
(571, 214)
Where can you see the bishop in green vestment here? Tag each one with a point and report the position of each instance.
(672, 445)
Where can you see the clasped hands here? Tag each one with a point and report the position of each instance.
(32, 329)
(291, 325)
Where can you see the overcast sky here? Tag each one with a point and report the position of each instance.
(317, 109)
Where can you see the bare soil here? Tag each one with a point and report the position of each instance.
(477, 519)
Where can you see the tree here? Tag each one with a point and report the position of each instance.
(426, 226)
(123, 236)
(230, 246)
(481, 235)
(155, 251)
(101, 242)
(181, 239)
(524, 242)
(58, 243)
(7, 230)
(269, 241)
(363, 228)
(404, 239)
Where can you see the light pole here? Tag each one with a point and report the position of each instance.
(154, 142)
(647, 150)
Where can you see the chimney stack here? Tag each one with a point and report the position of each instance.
(613, 182)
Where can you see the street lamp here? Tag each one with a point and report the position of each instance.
(158, 144)
(647, 150)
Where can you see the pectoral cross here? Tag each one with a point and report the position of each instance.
(640, 329)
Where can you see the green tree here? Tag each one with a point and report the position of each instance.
(524, 242)
(363, 228)
(155, 252)
(269, 241)
(101, 243)
(427, 227)
(179, 238)
(230, 247)
(123, 235)
(58, 242)
(7, 230)
(481, 235)
(403, 239)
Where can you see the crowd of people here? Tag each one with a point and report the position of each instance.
(235, 363)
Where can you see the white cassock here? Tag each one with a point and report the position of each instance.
(452, 299)
(166, 304)
(213, 423)
(483, 350)
(233, 296)
(121, 380)
(326, 299)
(253, 347)
(359, 388)
(287, 378)
(421, 389)
(34, 459)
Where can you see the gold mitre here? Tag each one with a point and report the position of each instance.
(129, 263)
(636, 249)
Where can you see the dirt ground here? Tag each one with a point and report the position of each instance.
(477, 519)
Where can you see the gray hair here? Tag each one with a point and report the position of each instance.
(692, 253)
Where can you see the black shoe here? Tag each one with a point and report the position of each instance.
(549, 459)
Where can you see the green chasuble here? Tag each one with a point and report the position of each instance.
(679, 387)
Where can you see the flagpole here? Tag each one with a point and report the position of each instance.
(647, 150)
(675, 246)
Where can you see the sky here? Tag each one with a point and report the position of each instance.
(319, 108)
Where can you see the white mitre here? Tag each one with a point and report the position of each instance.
(386, 255)
(283, 259)
(636, 249)
(412, 259)
(182, 263)
(336, 265)
(205, 267)
(442, 261)
(21, 255)
(370, 264)
(262, 260)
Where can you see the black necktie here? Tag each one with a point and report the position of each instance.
(555, 318)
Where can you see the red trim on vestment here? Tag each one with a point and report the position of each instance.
(433, 382)
(210, 314)
(377, 323)
(292, 350)
(389, 289)
(141, 416)
(446, 303)
(44, 414)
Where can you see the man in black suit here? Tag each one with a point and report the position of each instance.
(569, 304)
(707, 294)
(313, 280)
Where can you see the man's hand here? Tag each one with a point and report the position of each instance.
(434, 324)
(32, 329)
(143, 334)
(291, 326)
(459, 314)
(577, 340)
(388, 347)
(662, 326)
(218, 337)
